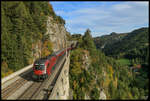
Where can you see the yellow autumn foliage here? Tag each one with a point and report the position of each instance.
(76, 70)
(30, 61)
(82, 88)
(106, 83)
(45, 52)
(82, 80)
(40, 35)
(115, 82)
(94, 59)
(41, 14)
(86, 52)
(110, 72)
(110, 69)
(74, 84)
(130, 95)
(50, 7)
(5, 70)
(9, 72)
(4, 66)
(47, 48)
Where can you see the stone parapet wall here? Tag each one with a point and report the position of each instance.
(61, 88)
(16, 73)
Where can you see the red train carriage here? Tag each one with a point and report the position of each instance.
(44, 67)
(40, 68)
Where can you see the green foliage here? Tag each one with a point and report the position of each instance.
(94, 93)
(23, 24)
(119, 81)
(108, 40)
(60, 20)
(88, 43)
(46, 48)
(130, 49)
(5, 69)
(124, 62)
(112, 90)
(135, 92)
(133, 45)
(77, 73)
(88, 83)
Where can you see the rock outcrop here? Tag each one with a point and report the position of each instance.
(102, 96)
(86, 60)
(57, 34)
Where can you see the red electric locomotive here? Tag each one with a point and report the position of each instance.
(43, 67)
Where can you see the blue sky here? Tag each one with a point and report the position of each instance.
(102, 17)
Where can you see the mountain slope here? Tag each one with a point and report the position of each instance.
(136, 40)
(27, 32)
(106, 40)
(92, 72)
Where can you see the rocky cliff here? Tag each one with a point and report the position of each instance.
(57, 33)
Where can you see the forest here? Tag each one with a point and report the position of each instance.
(116, 63)
(23, 27)
(119, 82)
(133, 45)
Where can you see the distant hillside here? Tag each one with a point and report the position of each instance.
(107, 40)
(123, 44)
(91, 72)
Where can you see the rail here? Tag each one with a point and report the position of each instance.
(16, 73)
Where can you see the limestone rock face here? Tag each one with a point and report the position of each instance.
(36, 50)
(57, 34)
(86, 60)
(87, 97)
(102, 96)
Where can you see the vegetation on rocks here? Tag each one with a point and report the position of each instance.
(23, 27)
(116, 78)
(119, 66)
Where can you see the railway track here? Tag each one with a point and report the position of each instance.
(33, 91)
(29, 93)
(10, 89)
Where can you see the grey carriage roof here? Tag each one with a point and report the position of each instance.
(42, 60)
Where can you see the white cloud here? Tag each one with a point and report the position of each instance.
(121, 7)
(143, 3)
(105, 18)
(60, 12)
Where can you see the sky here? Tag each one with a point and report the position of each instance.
(102, 17)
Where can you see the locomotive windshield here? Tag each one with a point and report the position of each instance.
(39, 66)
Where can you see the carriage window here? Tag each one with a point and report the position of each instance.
(39, 67)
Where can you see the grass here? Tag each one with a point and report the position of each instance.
(125, 62)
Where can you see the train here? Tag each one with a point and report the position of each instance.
(43, 67)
